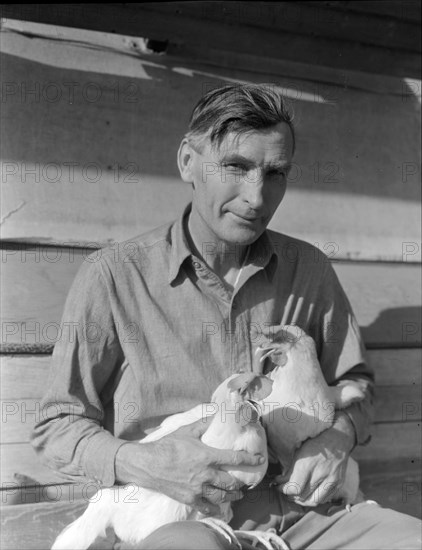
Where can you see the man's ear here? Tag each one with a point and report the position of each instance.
(184, 161)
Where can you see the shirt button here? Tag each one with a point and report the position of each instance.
(196, 265)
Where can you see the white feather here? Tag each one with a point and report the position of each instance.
(301, 404)
(135, 512)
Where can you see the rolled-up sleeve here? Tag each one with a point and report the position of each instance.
(69, 436)
(361, 413)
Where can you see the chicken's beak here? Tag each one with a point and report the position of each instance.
(256, 407)
(266, 351)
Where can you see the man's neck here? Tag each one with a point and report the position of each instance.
(225, 259)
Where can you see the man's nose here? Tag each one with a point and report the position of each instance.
(253, 188)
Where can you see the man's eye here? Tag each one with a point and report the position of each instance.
(277, 173)
(234, 166)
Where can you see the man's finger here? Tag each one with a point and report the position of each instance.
(237, 458)
(292, 489)
(217, 496)
(294, 479)
(225, 481)
(197, 428)
(326, 491)
(207, 508)
(298, 486)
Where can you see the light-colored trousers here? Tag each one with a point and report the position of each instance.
(367, 526)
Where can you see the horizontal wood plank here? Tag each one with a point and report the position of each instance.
(406, 10)
(319, 20)
(393, 484)
(180, 30)
(392, 404)
(26, 376)
(37, 213)
(398, 403)
(137, 48)
(378, 28)
(19, 460)
(404, 477)
(36, 526)
(396, 366)
(386, 298)
(129, 186)
(23, 376)
(395, 441)
(13, 494)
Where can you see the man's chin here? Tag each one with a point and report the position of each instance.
(243, 236)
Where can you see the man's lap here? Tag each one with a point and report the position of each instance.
(367, 526)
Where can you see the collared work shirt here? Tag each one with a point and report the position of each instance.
(156, 331)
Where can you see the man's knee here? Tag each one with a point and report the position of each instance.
(397, 531)
(185, 535)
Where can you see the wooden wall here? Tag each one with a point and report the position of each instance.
(107, 116)
(92, 116)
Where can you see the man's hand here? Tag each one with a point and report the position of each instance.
(319, 466)
(180, 466)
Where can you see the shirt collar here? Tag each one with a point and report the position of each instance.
(262, 253)
(179, 250)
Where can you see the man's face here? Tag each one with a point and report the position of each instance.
(238, 186)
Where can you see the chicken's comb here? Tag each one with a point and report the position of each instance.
(257, 386)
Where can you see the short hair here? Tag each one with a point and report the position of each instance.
(237, 108)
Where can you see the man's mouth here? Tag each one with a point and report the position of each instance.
(247, 218)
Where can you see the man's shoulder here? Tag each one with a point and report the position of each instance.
(139, 245)
(296, 250)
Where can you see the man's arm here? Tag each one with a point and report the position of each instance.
(183, 468)
(70, 437)
(361, 413)
(320, 463)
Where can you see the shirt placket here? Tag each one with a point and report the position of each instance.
(242, 307)
(233, 334)
(241, 352)
(239, 336)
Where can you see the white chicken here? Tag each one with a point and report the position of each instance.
(134, 512)
(301, 404)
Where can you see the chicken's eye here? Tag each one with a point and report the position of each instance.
(279, 357)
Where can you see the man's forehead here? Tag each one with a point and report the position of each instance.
(243, 143)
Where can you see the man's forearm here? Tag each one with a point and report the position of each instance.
(344, 430)
(78, 450)
(361, 413)
(131, 464)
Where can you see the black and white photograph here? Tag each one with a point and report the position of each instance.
(210, 233)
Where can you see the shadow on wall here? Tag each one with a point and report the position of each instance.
(395, 328)
(349, 140)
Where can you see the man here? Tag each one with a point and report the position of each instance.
(163, 319)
